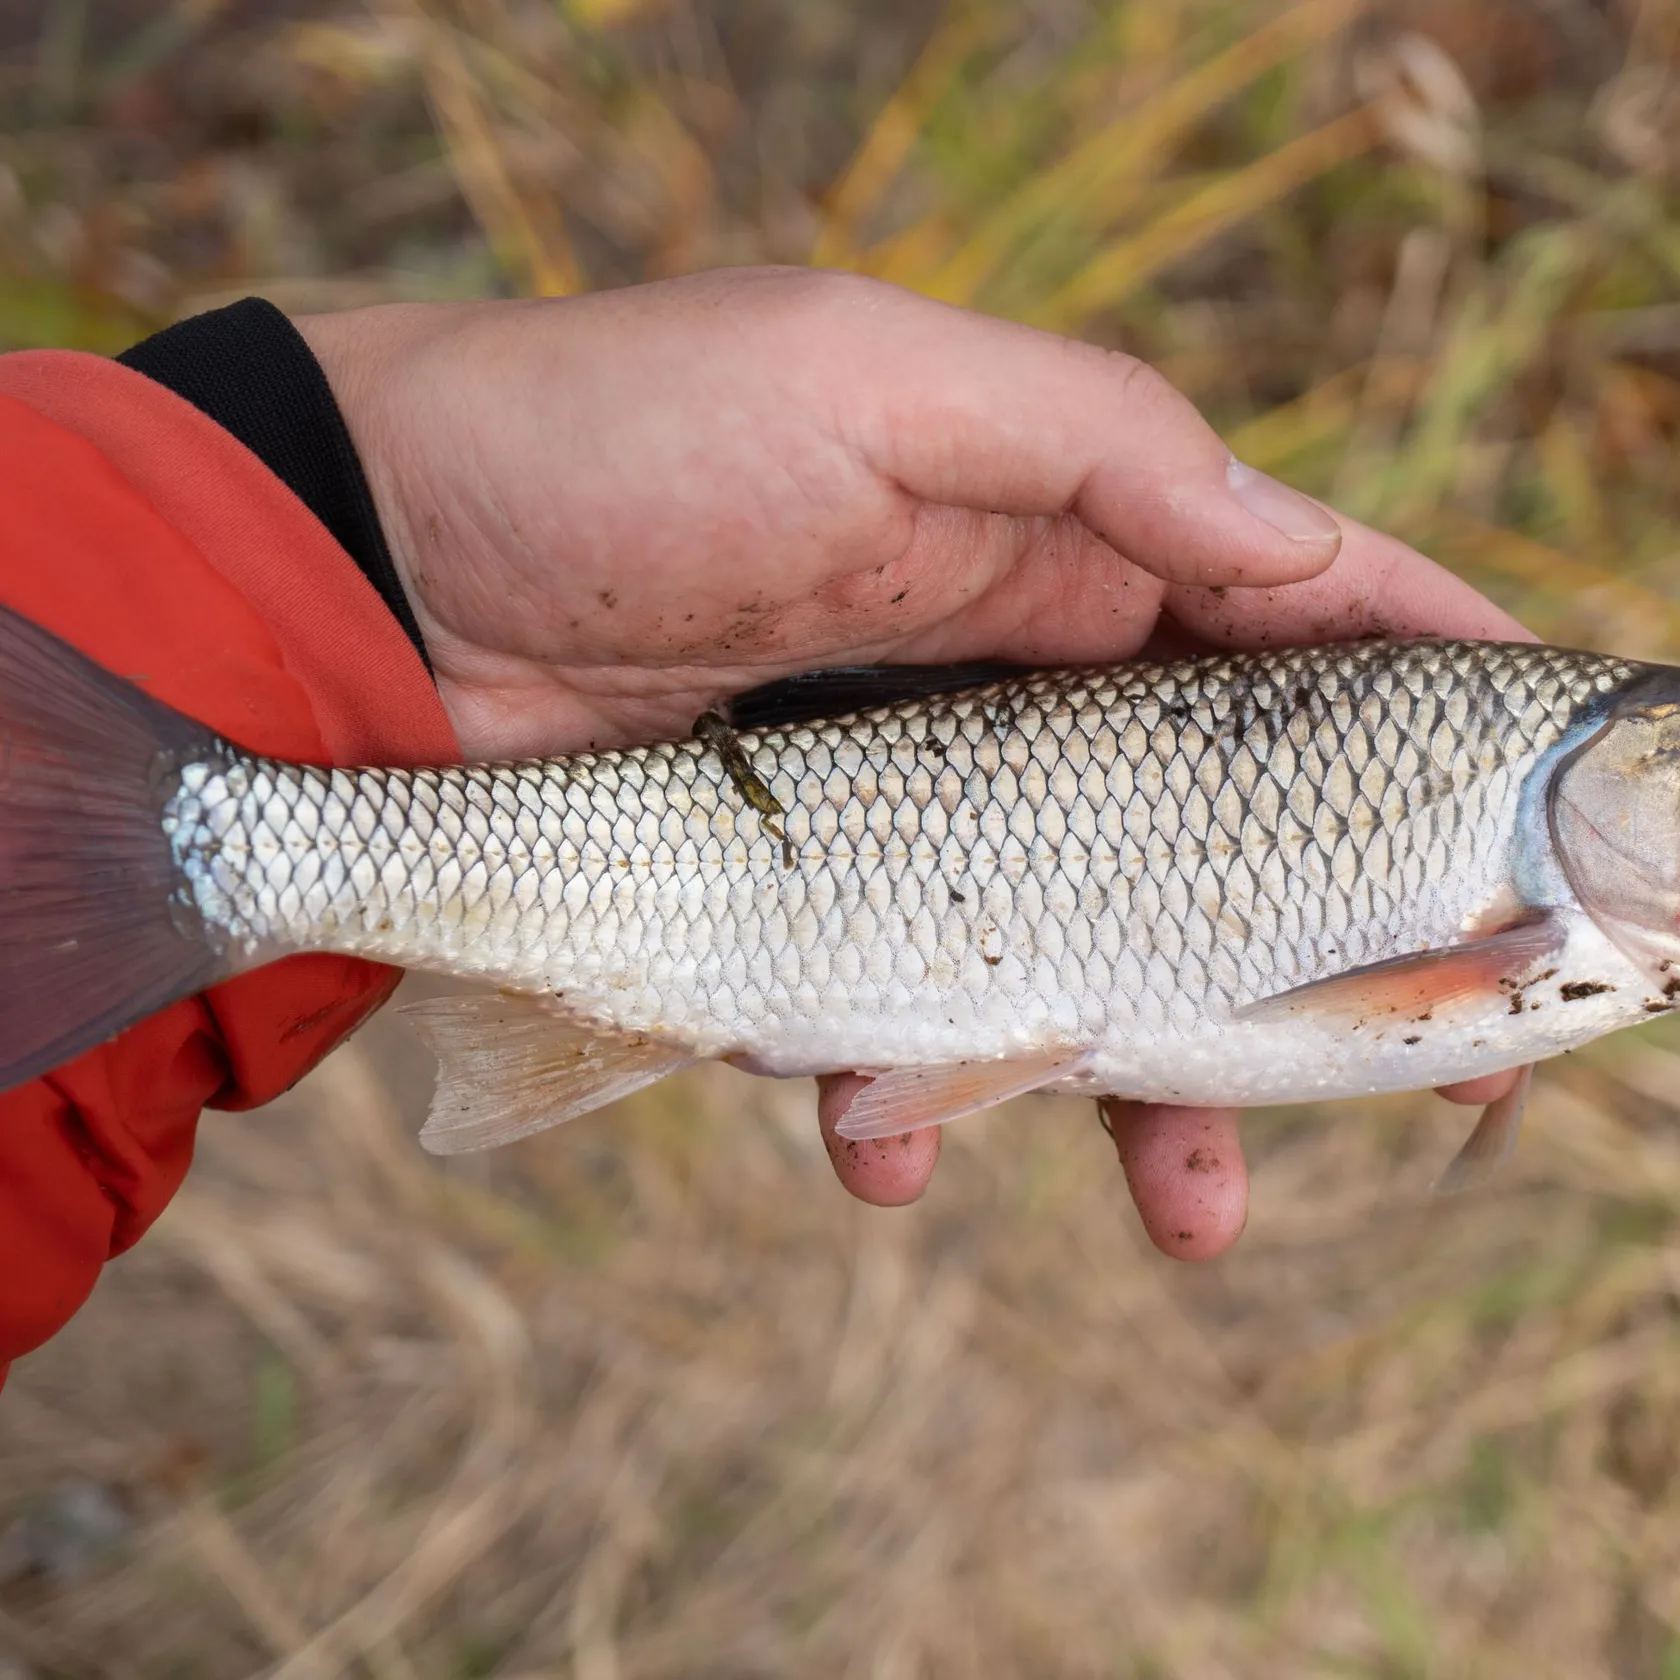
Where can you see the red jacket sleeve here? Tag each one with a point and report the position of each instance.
(139, 531)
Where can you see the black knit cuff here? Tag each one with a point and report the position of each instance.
(249, 369)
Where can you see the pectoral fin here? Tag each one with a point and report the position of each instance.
(1481, 970)
(510, 1064)
(908, 1099)
(1489, 1146)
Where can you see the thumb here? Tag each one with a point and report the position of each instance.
(980, 413)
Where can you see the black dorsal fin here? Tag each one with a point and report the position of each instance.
(810, 695)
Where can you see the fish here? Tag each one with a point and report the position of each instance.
(1251, 878)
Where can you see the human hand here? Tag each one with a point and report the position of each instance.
(611, 511)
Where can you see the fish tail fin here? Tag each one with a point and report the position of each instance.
(91, 936)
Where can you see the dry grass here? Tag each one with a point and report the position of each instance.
(648, 1396)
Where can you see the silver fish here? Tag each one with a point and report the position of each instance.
(1250, 878)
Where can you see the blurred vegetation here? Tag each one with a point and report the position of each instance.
(648, 1397)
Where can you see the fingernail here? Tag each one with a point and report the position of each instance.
(1296, 516)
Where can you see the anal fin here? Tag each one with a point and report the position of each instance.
(510, 1064)
(1481, 970)
(907, 1099)
(1489, 1146)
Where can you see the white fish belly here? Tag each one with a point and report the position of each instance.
(1309, 1059)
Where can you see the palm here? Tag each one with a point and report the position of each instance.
(633, 659)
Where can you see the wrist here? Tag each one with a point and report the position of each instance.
(405, 377)
(365, 355)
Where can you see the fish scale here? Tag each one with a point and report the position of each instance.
(1117, 859)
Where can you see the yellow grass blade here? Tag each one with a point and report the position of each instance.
(1570, 483)
(653, 133)
(525, 230)
(1560, 576)
(1311, 420)
(877, 162)
(1491, 343)
(1148, 35)
(908, 256)
(1204, 214)
(367, 56)
(605, 14)
(1097, 179)
(38, 315)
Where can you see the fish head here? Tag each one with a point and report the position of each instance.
(1614, 809)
